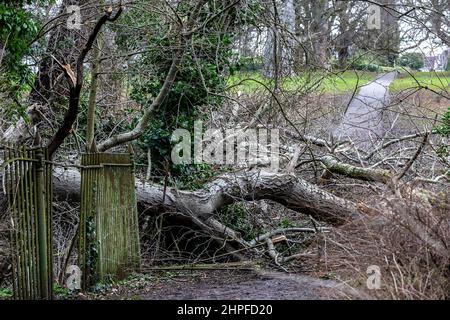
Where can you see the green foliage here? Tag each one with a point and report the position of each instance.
(235, 216)
(192, 177)
(444, 128)
(286, 223)
(17, 29)
(101, 287)
(367, 62)
(201, 74)
(5, 293)
(413, 60)
(62, 292)
(443, 150)
(247, 64)
(366, 66)
(180, 109)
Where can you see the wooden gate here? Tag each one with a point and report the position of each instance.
(109, 234)
(28, 184)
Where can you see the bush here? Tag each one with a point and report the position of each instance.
(410, 268)
(366, 67)
(199, 77)
(5, 293)
(236, 217)
(248, 64)
(413, 60)
(444, 128)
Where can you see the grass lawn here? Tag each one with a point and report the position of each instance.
(318, 82)
(344, 82)
(434, 80)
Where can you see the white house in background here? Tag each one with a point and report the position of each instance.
(436, 62)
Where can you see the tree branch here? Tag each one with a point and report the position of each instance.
(76, 84)
(367, 174)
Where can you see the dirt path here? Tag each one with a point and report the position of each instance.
(235, 285)
(362, 122)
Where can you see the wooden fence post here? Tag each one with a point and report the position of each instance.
(42, 224)
(109, 233)
(28, 184)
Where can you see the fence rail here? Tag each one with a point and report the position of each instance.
(28, 184)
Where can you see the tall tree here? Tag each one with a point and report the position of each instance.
(49, 90)
(385, 42)
(349, 20)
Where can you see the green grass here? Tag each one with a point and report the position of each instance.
(437, 81)
(344, 82)
(317, 82)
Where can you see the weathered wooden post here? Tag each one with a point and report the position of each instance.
(42, 224)
(109, 234)
(28, 184)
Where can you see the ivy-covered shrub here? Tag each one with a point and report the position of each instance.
(413, 60)
(444, 128)
(200, 80)
(18, 28)
(367, 62)
(365, 66)
(443, 150)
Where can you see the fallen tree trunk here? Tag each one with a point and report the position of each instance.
(286, 189)
(367, 174)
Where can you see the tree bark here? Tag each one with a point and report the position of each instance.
(367, 174)
(287, 189)
(95, 66)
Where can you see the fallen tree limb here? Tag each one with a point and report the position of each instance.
(279, 258)
(305, 138)
(411, 160)
(391, 142)
(286, 189)
(293, 230)
(367, 174)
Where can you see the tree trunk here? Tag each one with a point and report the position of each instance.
(317, 32)
(49, 86)
(286, 189)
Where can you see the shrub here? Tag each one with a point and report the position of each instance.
(413, 60)
(444, 128)
(366, 67)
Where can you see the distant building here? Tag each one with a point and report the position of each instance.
(436, 63)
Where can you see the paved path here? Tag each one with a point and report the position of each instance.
(362, 122)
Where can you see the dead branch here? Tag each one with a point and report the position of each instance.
(76, 83)
(367, 174)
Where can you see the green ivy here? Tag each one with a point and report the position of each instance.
(5, 293)
(202, 74)
(18, 28)
(235, 216)
(444, 128)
